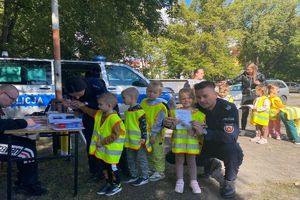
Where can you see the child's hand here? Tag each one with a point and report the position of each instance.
(98, 144)
(152, 139)
(192, 133)
(170, 122)
(197, 128)
(142, 141)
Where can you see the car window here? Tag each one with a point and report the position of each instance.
(25, 72)
(236, 88)
(277, 83)
(120, 75)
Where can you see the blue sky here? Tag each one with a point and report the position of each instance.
(188, 2)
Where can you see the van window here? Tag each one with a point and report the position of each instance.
(25, 72)
(79, 69)
(120, 75)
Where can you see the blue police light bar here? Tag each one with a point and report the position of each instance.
(99, 58)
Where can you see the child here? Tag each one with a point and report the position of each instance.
(260, 115)
(107, 140)
(185, 145)
(223, 93)
(276, 105)
(155, 111)
(137, 140)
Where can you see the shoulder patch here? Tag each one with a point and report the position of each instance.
(228, 107)
(229, 128)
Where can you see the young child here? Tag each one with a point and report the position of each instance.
(276, 105)
(155, 111)
(185, 145)
(107, 140)
(137, 140)
(260, 115)
(223, 93)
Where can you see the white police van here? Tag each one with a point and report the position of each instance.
(35, 80)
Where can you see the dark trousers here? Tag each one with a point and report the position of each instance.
(21, 148)
(246, 99)
(111, 170)
(230, 153)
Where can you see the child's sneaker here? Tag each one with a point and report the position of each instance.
(195, 187)
(296, 142)
(104, 189)
(140, 181)
(113, 189)
(156, 176)
(131, 179)
(179, 186)
(262, 141)
(255, 139)
(278, 137)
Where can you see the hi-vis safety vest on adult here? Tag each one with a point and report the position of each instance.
(273, 110)
(151, 113)
(182, 142)
(292, 113)
(109, 153)
(133, 132)
(261, 117)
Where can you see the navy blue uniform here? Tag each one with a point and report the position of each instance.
(221, 138)
(95, 87)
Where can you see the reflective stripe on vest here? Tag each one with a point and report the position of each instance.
(261, 117)
(133, 132)
(182, 142)
(291, 112)
(109, 153)
(273, 110)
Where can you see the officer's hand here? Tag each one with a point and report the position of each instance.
(257, 82)
(30, 122)
(77, 104)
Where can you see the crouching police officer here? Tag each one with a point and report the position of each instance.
(220, 136)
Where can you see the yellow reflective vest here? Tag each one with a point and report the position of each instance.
(291, 112)
(182, 142)
(152, 112)
(273, 110)
(109, 153)
(133, 132)
(260, 117)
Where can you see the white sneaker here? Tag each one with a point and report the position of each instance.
(156, 176)
(179, 187)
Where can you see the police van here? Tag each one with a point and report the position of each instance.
(34, 78)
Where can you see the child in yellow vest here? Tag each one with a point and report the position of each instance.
(260, 115)
(223, 93)
(185, 143)
(156, 112)
(136, 140)
(107, 140)
(276, 105)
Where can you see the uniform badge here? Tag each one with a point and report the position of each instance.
(229, 128)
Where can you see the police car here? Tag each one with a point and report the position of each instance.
(34, 78)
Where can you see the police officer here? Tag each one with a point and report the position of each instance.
(86, 90)
(27, 182)
(220, 136)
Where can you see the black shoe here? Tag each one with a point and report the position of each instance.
(113, 189)
(104, 188)
(140, 181)
(32, 190)
(228, 190)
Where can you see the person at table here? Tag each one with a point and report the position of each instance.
(28, 178)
